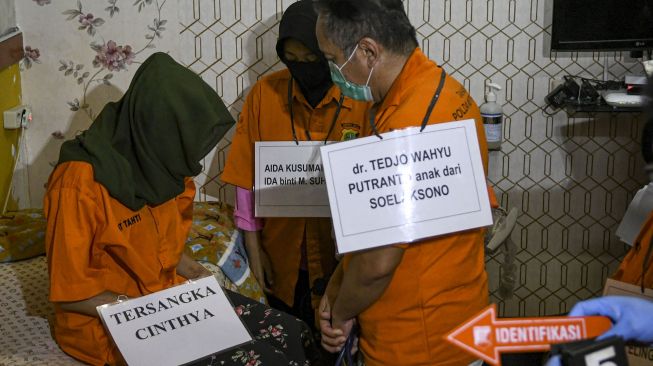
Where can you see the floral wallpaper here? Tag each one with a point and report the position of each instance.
(7, 16)
(79, 55)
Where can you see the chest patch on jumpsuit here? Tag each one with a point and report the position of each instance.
(350, 131)
(129, 222)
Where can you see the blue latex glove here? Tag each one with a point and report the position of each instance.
(631, 316)
(554, 361)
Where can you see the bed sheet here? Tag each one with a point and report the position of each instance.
(25, 313)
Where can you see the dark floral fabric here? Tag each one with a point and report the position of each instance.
(279, 339)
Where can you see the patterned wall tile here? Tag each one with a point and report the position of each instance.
(571, 177)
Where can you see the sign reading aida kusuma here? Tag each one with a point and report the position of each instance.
(406, 186)
(289, 180)
(174, 326)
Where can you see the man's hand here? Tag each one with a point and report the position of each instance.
(345, 326)
(332, 338)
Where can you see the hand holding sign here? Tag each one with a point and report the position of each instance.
(631, 316)
(176, 325)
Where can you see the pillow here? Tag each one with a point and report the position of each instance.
(214, 239)
(22, 235)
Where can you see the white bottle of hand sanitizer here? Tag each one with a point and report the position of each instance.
(492, 115)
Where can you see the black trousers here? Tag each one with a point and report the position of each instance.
(301, 307)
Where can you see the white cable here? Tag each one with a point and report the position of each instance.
(13, 170)
(24, 161)
(21, 146)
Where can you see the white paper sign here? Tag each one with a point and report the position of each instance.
(408, 186)
(289, 180)
(638, 210)
(175, 326)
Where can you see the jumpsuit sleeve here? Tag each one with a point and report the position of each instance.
(74, 262)
(185, 204)
(239, 168)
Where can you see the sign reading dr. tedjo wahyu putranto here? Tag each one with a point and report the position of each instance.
(407, 186)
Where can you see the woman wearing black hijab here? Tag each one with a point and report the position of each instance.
(290, 257)
(119, 208)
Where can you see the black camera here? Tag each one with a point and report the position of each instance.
(570, 93)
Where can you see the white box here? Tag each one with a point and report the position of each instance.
(17, 117)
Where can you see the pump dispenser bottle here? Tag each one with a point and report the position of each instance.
(492, 115)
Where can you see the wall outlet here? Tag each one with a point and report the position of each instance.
(17, 117)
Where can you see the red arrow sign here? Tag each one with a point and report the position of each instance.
(486, 337)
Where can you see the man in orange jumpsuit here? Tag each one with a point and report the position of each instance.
(119, 207)
(404, 297)
(637, 266)
(289, 256)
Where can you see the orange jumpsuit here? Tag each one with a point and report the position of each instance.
(441, 281)
(95, 244)
(637, 266)
(266, 117)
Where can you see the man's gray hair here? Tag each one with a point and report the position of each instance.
(385, 21)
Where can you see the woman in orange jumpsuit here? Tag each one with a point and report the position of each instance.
(119, 207)
(290, 256)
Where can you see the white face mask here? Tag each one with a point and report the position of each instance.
(347, 88)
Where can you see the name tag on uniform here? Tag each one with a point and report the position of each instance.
(407, 186)
(174, 326)
(289, 180)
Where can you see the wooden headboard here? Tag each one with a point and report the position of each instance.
(11, 50)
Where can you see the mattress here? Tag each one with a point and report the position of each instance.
(26, 314)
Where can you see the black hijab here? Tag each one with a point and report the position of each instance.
(314, 78)
(143, 146)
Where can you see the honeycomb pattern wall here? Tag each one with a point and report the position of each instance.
(571, 177)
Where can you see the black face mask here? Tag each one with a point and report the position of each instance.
(314, 79)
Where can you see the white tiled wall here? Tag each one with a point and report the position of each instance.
(571, 177)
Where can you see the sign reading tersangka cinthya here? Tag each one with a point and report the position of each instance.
(174, 326)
